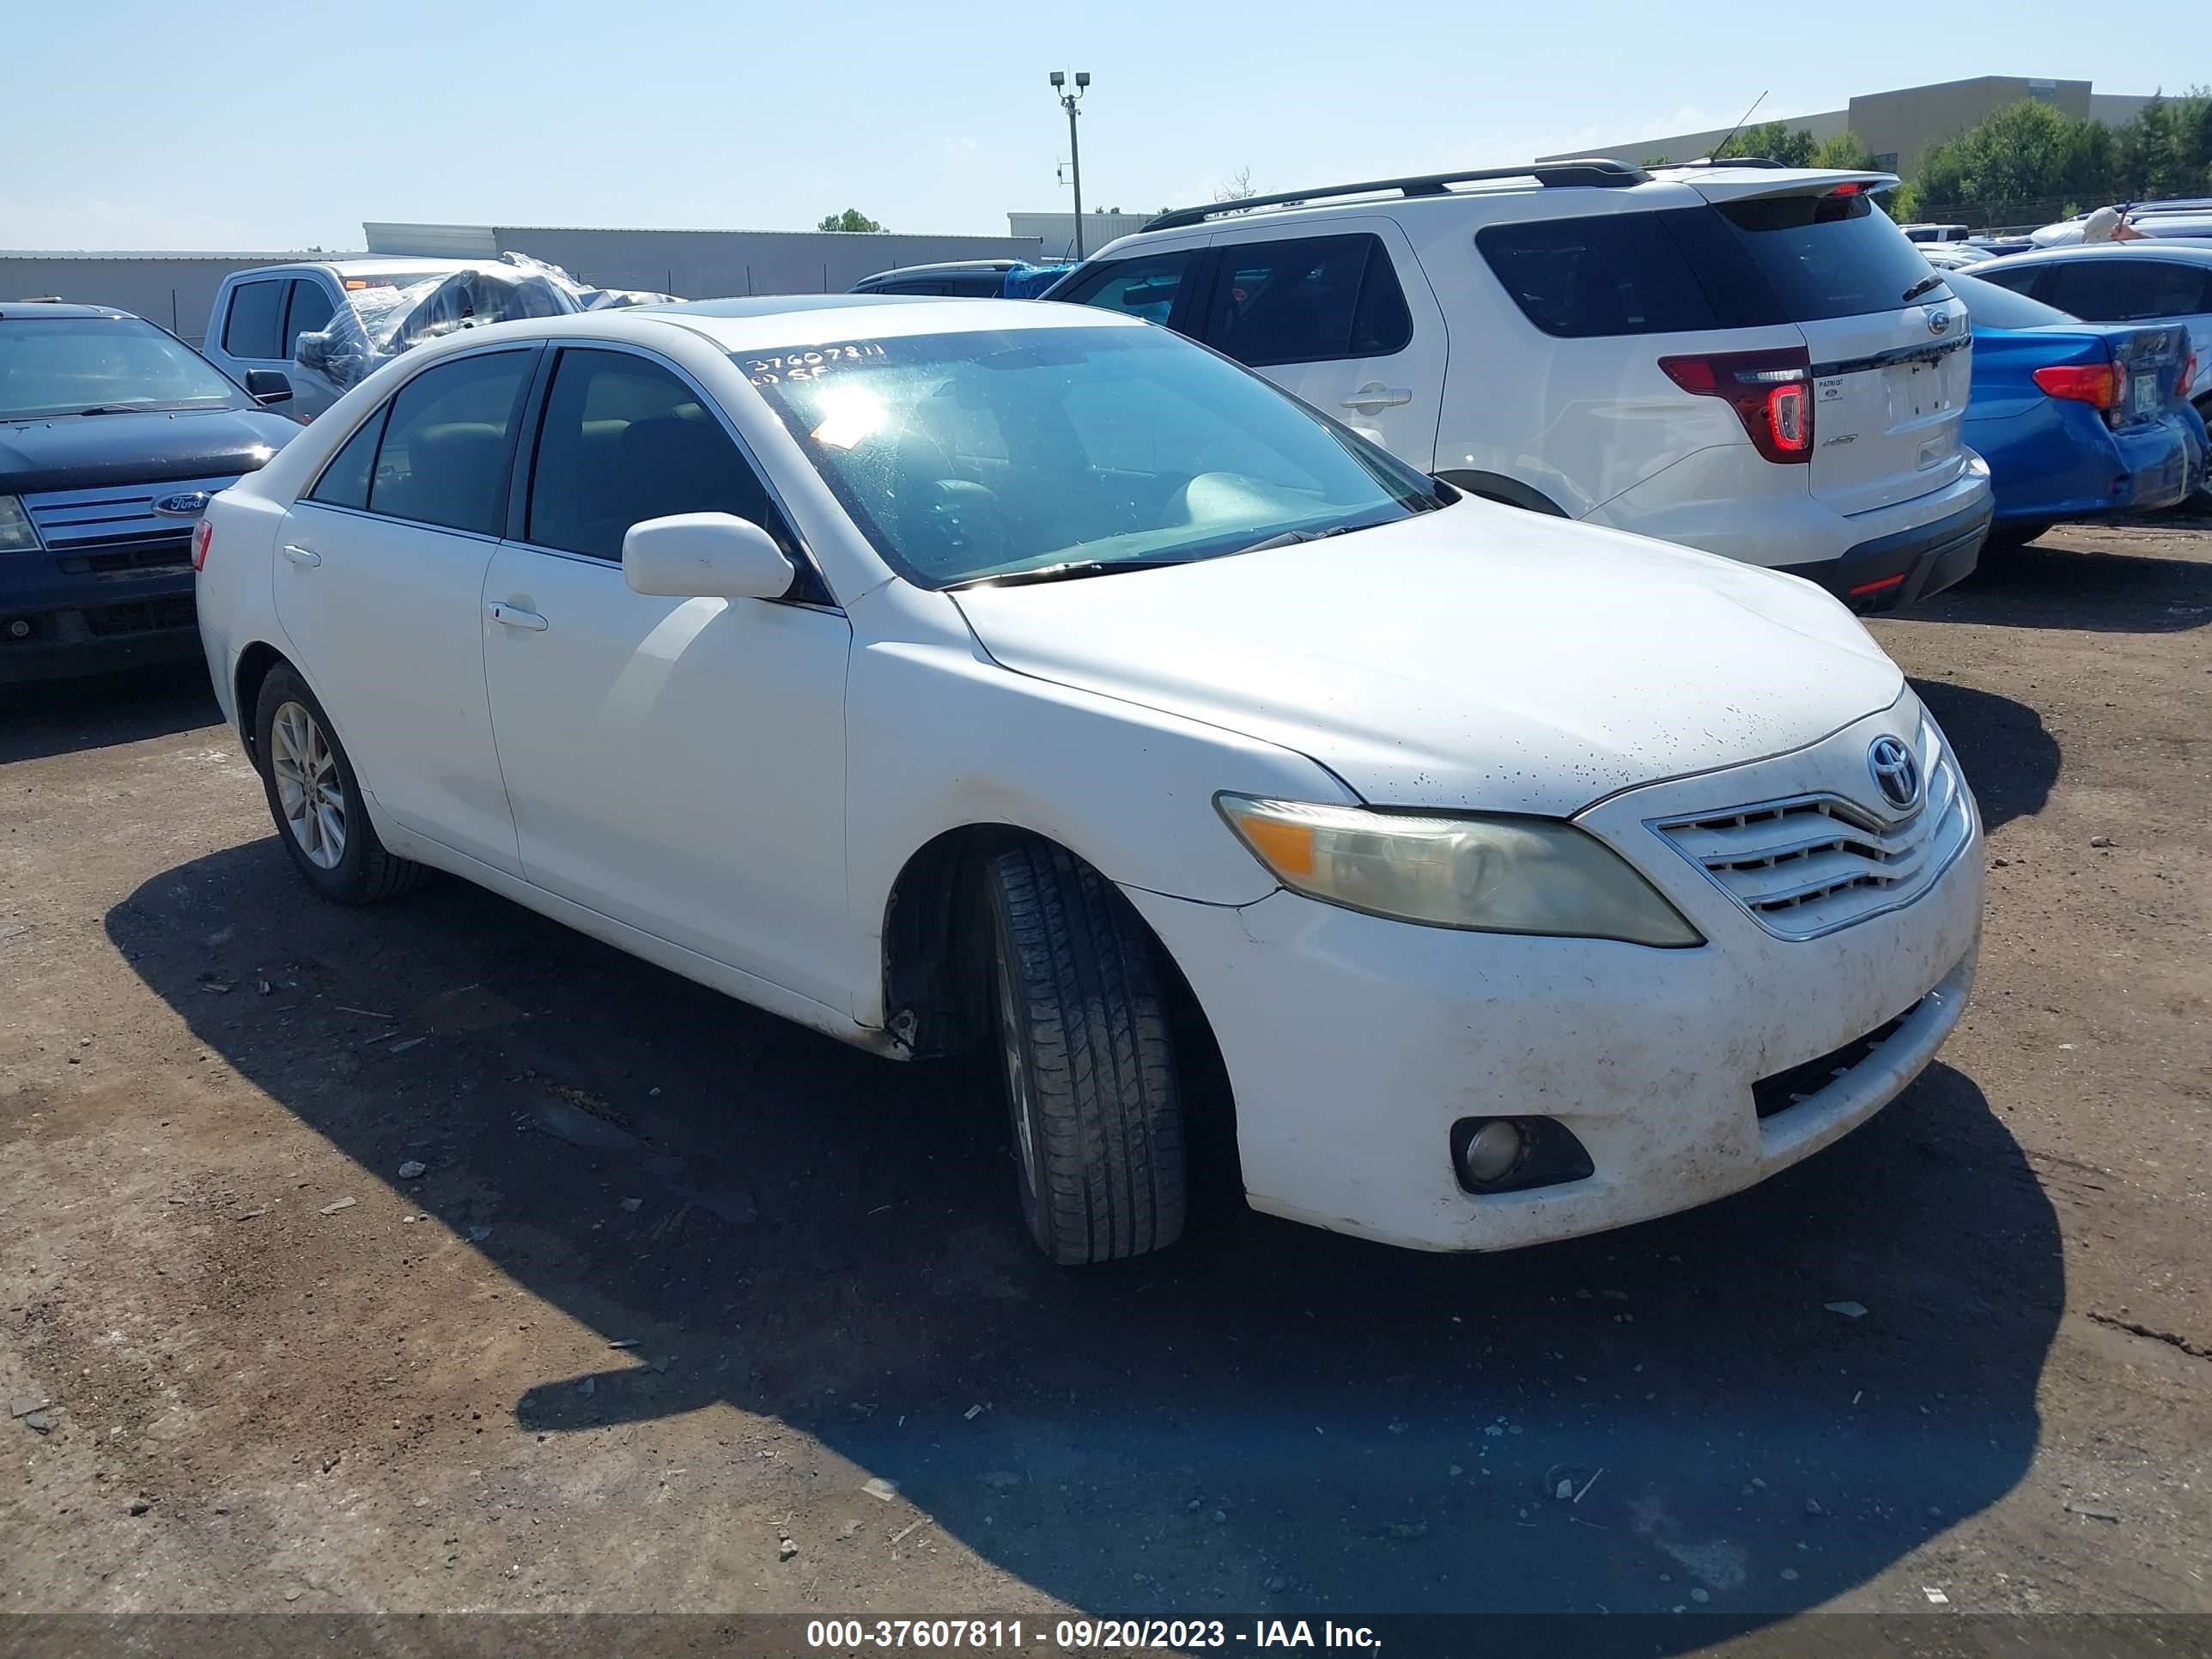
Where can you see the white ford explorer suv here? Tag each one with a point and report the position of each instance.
(1745, 358)
(946, 673)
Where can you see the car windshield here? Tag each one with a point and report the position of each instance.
(70, 365)
(981, 456)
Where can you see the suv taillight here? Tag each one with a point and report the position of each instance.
(2188, 378)
(2104, 385)
(1771, 392)
(202, 538)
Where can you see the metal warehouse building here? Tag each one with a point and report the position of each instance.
(176, 290)
(700, 264)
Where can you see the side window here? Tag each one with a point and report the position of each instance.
(445, 443)
(1141, 287)
(345, 480)
(1313, 299)
(1608, 274)
(2020, 279)
(622, 440)
(253, 327)
(310, 313)
(2125, 289)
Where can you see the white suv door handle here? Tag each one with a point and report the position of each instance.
(299, 554)
(1375, 395)
(514, 616)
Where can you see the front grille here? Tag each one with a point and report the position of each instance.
(141, 616)
(82, 520)
(139, 556)
(1777, 1094)
(1814, 863)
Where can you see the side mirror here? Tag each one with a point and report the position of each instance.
(704, 555)
(268, 386)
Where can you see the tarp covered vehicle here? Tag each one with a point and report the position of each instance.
(376, 324)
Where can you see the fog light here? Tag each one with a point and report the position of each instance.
(1491, 1152)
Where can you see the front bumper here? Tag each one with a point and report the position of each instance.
(1353, 1043)
(46, 636)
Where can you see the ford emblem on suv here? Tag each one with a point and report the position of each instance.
(188, 505)
(1895, 772)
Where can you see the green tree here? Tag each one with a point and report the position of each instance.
(1777, 141)
(1846, 152)
(850, 219)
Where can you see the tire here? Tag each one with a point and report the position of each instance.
(1087, 1057)
(321, 822)
(2006, 535)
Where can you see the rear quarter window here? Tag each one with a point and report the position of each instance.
(1607, 274)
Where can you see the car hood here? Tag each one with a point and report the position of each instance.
(82, 451)
(1480, 658)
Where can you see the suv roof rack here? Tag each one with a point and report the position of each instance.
(1597, 172)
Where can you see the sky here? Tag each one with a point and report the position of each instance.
(252, 125)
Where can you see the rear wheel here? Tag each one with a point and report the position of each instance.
(1088, 1061)
(316, 800)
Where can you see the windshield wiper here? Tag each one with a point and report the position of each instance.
(1068, 571)
(1932, 281)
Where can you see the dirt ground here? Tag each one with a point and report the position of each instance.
(678, 1282)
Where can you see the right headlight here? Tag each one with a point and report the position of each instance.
(1496, 875)
(16, 533)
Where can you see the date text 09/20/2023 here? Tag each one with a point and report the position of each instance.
(1080, 1635)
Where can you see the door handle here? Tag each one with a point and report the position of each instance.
(1375, 395)
(514, 616)
(302, 555)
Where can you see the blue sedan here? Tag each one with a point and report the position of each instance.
(2076, 420)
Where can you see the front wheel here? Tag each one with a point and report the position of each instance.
(1088, 1059)
(316, 800)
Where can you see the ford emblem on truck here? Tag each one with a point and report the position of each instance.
(189, 504)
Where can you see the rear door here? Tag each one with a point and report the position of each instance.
(379, 586)
(1889, 344)
(1344, 320)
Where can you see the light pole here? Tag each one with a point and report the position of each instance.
(1068, 101)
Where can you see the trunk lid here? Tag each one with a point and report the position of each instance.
(1889, 345)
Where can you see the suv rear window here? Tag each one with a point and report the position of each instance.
(1316, 299)
(1746, 264)
(1827, 255)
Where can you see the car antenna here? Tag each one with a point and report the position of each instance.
(1721, 149)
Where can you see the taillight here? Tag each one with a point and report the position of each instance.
(201, 539)
(1771, 392)
(2188, 377)
(2104, 385)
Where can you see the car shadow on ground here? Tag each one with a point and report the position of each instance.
(2009, 757)
(1749, 1409)
(60, 717)
(2052, 583)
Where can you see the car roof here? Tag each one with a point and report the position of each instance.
(367, 265)
(781, 322)
(1576, 185)
(941, 268)
(2150, 247)
(12, 309)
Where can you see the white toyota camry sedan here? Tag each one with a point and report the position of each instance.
(946, 673)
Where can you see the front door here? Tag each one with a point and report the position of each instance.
(676, 764)
(379, 586)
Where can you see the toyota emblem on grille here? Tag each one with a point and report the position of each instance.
(1896, 774)
(189, 505)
